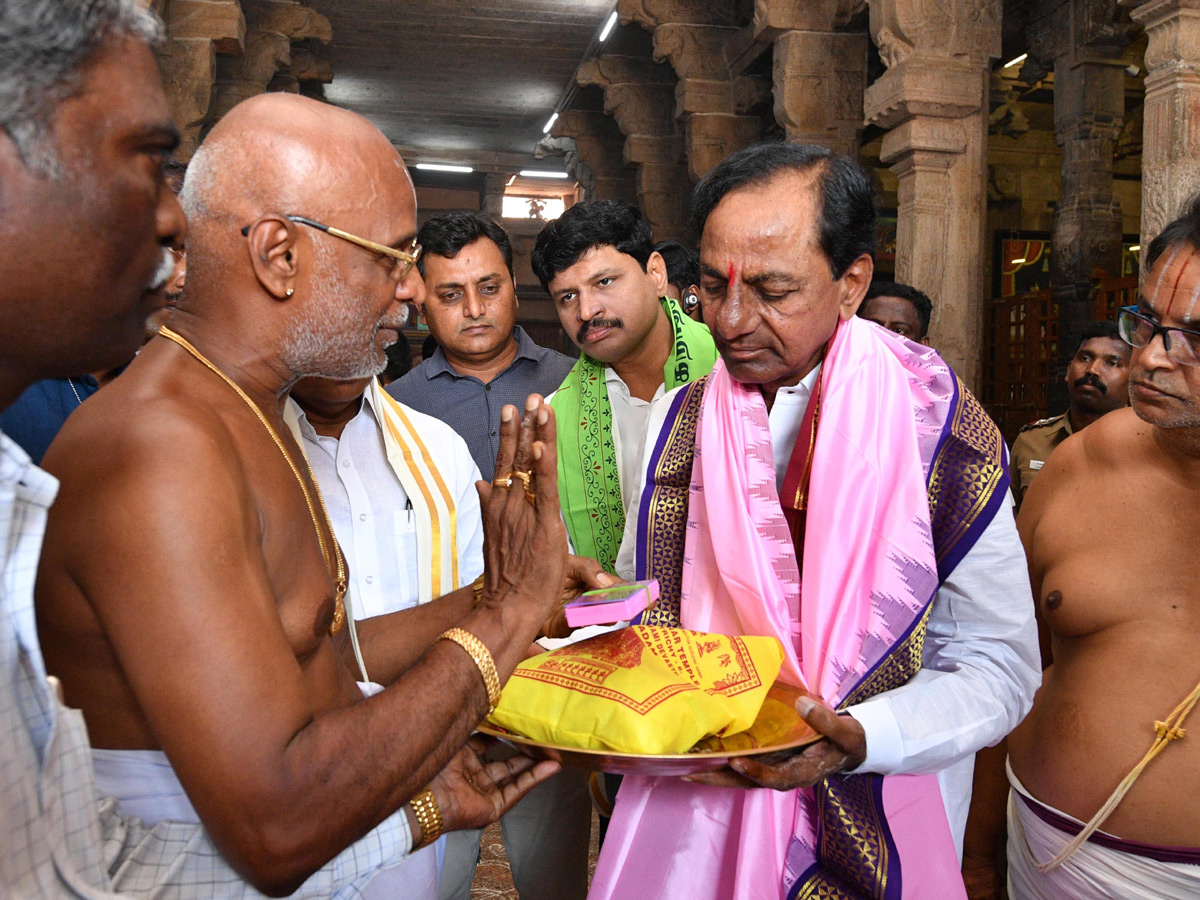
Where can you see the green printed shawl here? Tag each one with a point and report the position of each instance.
(589, 479)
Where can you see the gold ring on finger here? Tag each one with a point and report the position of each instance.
(526, 478)
(529, 496)
(505, 482)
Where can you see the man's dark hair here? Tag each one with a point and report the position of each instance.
(846, 229)
(683, 264)
(598, 223)
(919, 300)
(1184, 228)
(1102, 329)
(45, 46)
(399, 360)
(448, 233)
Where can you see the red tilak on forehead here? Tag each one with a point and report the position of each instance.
(1171, 300)
(732, 275)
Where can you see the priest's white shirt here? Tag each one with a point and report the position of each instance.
(981, 665)
(372, 514)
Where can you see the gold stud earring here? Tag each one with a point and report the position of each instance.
(289, 292)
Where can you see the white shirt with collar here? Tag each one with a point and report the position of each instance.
(981, 666)
(372, 514)
(631, 416)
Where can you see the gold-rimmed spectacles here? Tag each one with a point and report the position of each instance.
(406, 259)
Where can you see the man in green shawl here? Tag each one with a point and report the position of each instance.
(609, 288)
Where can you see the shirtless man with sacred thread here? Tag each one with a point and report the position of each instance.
(191, 591)
(1120, 618)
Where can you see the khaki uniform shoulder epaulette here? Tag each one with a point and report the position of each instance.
(1041, 423)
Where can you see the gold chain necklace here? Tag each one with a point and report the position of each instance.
(337, 570)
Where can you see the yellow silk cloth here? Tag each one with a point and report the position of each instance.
(643, 689)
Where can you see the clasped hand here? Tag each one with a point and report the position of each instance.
(526, 540)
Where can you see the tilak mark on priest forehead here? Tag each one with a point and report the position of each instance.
(1187, 315)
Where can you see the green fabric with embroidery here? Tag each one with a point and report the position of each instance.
(589, 479)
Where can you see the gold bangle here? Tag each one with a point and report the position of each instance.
(477, 591)
(429, 817)
(479, 652)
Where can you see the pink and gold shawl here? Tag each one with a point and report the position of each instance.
(887, 431)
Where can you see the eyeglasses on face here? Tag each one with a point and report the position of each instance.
(404, 259)
(1138, 330)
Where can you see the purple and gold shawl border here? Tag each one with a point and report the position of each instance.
(662, 518)
(968, 479)
(850, 817)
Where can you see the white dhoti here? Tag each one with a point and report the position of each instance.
(1104, 868)
(144, 784)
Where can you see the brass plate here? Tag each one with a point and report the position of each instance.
(778, 727)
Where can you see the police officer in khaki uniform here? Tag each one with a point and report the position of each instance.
(1097, 383)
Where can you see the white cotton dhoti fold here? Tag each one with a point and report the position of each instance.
(1104, 868)
(145, 785)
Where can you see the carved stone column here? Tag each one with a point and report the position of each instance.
(1089, 108)
(1085, 40)
(713, 106)
(934, 99)
(271, 27)
(818, 73)
(197, 31)
(592, 147)
(1171, 140)
(492, 195)
(640, 96)
(220, 52)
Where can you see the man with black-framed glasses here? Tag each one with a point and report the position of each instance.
(1105, 770)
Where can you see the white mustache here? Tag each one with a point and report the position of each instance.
(166, 268)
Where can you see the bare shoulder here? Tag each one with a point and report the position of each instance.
(1114, 440)
(130, 430)
(1080, 464)
(1110, 442)
(134, 454)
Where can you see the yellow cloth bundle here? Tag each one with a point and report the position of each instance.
(642, 689)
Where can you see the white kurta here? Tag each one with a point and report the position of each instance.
(372, 514)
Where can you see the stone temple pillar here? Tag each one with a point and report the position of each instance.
(933, 98)
(1171, 142)
(1089, 108)
(1085, 39)
(640, 96)
(819, 74)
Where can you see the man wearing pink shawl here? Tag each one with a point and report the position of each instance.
(835, 486)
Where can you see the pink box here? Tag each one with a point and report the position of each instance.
(608, 606)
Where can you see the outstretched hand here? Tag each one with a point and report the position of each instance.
(583, 574)
(472, 793)
(843, 748)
